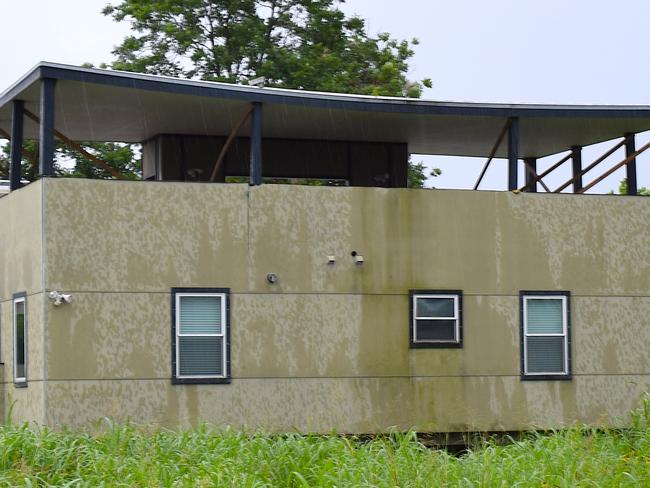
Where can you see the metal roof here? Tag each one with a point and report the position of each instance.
(104, 105)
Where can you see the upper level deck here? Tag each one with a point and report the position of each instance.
(208, 131)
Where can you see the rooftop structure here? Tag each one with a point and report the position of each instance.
(206, 118)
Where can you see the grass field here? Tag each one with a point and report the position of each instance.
(135, 456)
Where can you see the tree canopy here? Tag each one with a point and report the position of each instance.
(299, 44)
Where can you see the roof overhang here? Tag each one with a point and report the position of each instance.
(104, 105)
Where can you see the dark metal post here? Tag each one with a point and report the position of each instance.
(630, 169)
(256, 144)
(46, 129)
(513, 153)
(576, 165)
(16, 145)
(531, 182)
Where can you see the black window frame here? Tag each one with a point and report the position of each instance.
(200, 381)
(21, 296)
(523, 294)
(458, 344)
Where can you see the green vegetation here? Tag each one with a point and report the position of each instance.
(133, 456)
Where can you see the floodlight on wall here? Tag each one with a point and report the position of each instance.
(358, 258)
(59, 298)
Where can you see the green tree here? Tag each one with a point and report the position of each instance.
(299, 44)
(622, 189)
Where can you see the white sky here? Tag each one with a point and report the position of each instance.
(542, 51)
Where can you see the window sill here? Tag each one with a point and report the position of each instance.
(547, 377)
(436, 345)
(20, 384)
(200, 381)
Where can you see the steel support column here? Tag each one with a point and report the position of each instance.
(256, 144)
(46, 128)
(531, 182)
(15, 174)
(630, 169)
(513, 153)
(576, 165)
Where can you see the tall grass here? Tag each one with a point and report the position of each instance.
(127, 455)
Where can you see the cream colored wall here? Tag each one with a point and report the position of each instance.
(327, 346)
(21, 270)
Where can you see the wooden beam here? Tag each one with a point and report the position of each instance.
(590, 167)
(536, 178)
(531, 166)
(226, 146)
(494, 150)
(549, 170)
(30, 156)
(78, 148)
(625, 162)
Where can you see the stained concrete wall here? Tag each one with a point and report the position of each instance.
(327, 346)
(21, 271)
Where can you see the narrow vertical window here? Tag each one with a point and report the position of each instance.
(20, 340)
(545, 334)
(200, 328)
(436, 319)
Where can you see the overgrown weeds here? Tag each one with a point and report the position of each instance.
(129, 455)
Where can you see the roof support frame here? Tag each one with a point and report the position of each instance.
(630, 168)
(532, 177)
(548, 171)
(46, 128)
(591, 166)
(576, 168)
(231, 137)
(531, 172)
(494, 150)
(513, 153)
(256, 145)
(625, 162)
(17, 122)
(100, 163)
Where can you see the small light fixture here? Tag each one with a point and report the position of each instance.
(272, 278)
(358, 258)
(331, 259)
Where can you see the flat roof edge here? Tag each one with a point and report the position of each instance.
(362, 103)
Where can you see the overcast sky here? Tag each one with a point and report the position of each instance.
(542, 51)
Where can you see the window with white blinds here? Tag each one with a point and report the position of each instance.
(436, 318)
(545, 334)
(200, 334)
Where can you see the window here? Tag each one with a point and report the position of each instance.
(200, 335)
(436, 318)
(545, 339)
(20, 339)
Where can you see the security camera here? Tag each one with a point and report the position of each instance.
(358, 258)
(59, 298)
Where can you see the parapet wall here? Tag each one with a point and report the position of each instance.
(327, 346)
